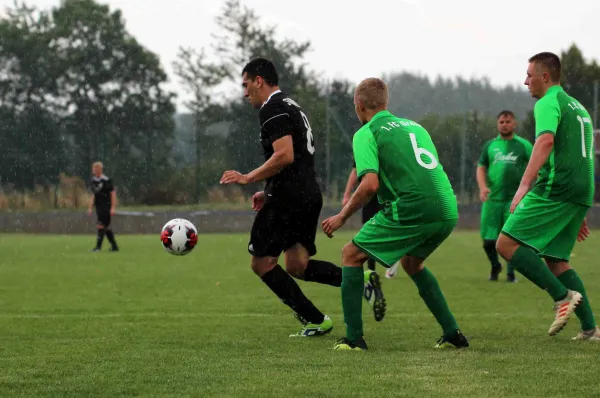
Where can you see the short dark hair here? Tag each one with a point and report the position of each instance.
(551, 62)
(264, 68)
(506, 112)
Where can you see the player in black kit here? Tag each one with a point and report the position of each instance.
(290, 205)
(104, 198)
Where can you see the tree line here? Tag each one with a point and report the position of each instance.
(76, 86)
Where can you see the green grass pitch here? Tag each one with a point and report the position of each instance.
(144, 323)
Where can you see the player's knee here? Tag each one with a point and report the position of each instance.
(352, 256)
(262, 265)
(412, 265)
(506, 247)
(557, 267)
(296, 268)
(100, 227)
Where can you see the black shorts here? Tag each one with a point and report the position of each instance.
(103, 218)
(370, 209)
(277, 227)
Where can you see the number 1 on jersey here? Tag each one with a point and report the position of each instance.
(582, 121)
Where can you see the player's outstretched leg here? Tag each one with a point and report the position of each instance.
(99, 238)
(532, 267)
(299, 264)
(489, 246)
(571, 280)
(111, 238)
(285, 287)
(432, 295)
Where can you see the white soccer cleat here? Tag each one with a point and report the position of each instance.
(563, 310)
(589, 335)
(392, 271)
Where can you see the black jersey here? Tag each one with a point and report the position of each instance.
(280, 116)
(102, 187)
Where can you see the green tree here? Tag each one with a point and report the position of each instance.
(118, 111)
(199, 78)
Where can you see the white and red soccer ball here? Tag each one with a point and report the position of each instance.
(179, 237)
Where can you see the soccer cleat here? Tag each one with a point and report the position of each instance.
(588, 335)
(563, 310)
(113, 249)
(374, 295)
(95, 249)
(313, 329)
(458, 340)
(392, 271)
(495, 272)
(510, 278)
(344, 344)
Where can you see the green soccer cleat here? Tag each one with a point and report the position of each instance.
(458, 340)
(374, 295)
(313, 329)
(344, 344)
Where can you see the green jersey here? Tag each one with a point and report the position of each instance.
(413, 187)
(568, 174)
(505, 162)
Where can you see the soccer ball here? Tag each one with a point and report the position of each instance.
(179, 236)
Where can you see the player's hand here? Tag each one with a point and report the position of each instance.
(584, 231)
(521, 192)
(346, 199)
(258, 200)
(483, 194)
(113, 211)
(89, 212)
(332, 224)
(234, 177)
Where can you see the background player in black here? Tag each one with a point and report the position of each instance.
(290, 205)
(104, 198)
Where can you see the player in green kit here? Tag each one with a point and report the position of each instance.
(501, 166)
(395, 159)
(548, 220)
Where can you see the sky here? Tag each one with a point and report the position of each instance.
(470, 38)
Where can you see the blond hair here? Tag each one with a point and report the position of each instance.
(99, 164)
(373, 93)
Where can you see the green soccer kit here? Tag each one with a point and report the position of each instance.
(419, 206)
(550, 215)
(505, 161)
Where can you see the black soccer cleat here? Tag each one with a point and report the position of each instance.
(344, 344)
(495, 272)
(113, 249)
(374, 295)
(510, 278)
(457, 340)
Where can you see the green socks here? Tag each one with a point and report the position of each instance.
(584, 312)
(432, 295)
(528, 263)
(353, 282)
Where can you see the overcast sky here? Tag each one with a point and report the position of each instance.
(431, 37)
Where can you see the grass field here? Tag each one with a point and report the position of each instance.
(142, 322)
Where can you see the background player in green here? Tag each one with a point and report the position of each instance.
(501, 166)
(549, 219)
(395, 159)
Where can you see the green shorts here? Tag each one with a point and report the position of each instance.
(494, 214)
(387, 241)
(547, 226)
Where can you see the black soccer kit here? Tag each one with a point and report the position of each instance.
(293, 199)
(102, 188)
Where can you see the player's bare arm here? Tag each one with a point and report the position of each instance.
(113, 199)
(91, 206)
(367, 188)
(584, 231)
(541, 151)
(282, 157)
(352, 179)
(482, 183)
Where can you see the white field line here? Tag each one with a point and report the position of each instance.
(395, 315)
